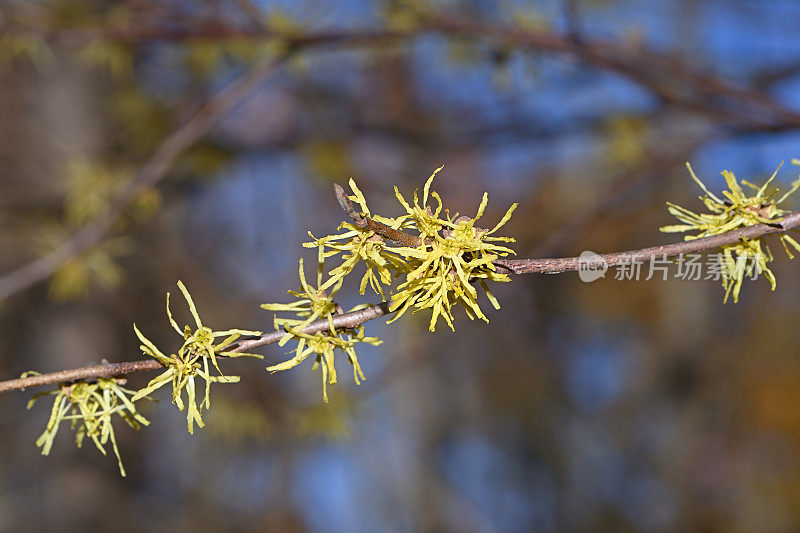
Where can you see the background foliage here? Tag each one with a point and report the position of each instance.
(642, 406)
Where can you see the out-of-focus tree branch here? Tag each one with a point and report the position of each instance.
(668, 76)
(769, 77)
(151, 173)
(656, 163)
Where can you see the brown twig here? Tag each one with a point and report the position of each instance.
(566, 264)
(399, 237)
(150, 174)
(772, 76)
(667, 76)
(356, 318)
(107, 370)
(254, 14)
(344, 321)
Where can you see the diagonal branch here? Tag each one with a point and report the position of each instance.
(394, 235)
(107, 370)
(753, 110)
(151, 173)
(104, 370)
(567, 264)
(668, 76)
(356, 318)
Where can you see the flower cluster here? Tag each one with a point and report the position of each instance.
(200, 347)
(434, 268)
(359, 245)
(89, 407)
(749, 257)
(450, 253)
(315, 303)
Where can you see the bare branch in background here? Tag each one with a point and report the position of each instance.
(742, 108)
(656, 164)
(151, 173)
(668, 76)
(767, 78)
(572, 16)
(254, 14)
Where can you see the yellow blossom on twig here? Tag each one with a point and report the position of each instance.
(749, 257)
(89, 407)
(200, 346)
(314, 303)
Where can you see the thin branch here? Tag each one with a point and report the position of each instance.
(772, 76)
(391, 234)
(566, 264)
(356, 318)
(666, 75)
(347, 205)
(573, 20)
(254, 14)
(344, 321)
(107, 370)
(150, 174)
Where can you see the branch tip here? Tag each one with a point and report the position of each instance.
(346, 204)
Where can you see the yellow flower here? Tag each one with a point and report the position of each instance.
(192, 360)
(737, 210)
(314, 304)
(89, 407)
(453, 253)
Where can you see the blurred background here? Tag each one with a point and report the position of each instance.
(143, 142)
